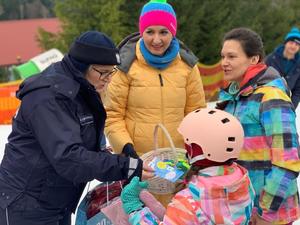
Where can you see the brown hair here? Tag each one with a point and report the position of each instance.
(194, 170)
(250, 41)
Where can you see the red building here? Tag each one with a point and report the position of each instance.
(19, 39)
(18, 44)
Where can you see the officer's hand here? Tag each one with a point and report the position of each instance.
(147, 173)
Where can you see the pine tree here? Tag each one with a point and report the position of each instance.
(82, 15)
(201, 23)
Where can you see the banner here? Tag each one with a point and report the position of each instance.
(212, 79)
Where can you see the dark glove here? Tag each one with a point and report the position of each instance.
(129, 151)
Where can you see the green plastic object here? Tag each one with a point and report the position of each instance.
(25, 70)
(159, 1)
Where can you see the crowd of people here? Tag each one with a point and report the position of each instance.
(244, 155)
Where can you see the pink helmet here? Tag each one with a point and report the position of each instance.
(212, 135)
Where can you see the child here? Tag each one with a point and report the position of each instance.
(216, 189)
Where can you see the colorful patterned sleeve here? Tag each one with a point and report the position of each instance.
(182, 210)
(278, 120)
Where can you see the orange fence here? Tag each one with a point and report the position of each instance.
(8, 101)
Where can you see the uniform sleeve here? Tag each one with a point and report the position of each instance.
(115, 104)
(57, 130)
(195, 93)
(278, 119)
(179, 211)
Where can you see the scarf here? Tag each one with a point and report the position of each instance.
(250, 73)
(160, 62)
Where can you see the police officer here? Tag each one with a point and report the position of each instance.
(53, 149)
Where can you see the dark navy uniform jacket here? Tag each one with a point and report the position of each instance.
(53, 149)
(275, 59)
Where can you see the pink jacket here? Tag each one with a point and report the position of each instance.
(218, 195)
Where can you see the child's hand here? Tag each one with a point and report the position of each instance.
(130, 195)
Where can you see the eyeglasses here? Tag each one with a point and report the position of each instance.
(105, 74)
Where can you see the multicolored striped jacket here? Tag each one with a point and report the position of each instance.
(271, 148)
(218, 195)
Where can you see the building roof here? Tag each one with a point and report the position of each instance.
(19, 39)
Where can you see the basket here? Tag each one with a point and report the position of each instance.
(159, 185)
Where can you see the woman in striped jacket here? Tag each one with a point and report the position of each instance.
(259, 98)
(216, 189)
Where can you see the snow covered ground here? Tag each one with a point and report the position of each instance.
(5, 130)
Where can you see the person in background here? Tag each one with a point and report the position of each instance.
(53, 149)
(259, 97)
(216, 189)
(286, 59)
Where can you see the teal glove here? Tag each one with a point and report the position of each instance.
(130, 195)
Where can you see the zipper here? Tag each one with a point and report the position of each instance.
(162, 103)
(161, 80)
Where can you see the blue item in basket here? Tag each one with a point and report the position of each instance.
(164, 170)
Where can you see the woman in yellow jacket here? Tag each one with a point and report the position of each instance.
(157, 82)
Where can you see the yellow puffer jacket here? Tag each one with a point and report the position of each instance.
(144, 96)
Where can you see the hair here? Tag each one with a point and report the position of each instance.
(250, 41)
(194, 170)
